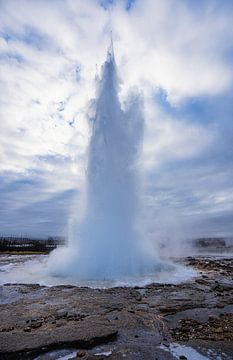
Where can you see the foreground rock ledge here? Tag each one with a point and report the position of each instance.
(134, 323)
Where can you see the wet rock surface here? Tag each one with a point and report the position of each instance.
(121, 323)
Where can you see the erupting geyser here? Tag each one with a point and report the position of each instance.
(106, 243)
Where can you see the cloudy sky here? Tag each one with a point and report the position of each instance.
(179, 53)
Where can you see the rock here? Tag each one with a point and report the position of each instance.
(131, 311)
(81, 354)
(88, 335)
(27, 329)
(35, 323)
(61, 314)
(219, 330)
(8, 329)
(72, 317)
(220, 306)
(200, 281)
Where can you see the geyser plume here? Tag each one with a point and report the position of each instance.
(106, 244)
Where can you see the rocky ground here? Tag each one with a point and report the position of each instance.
(192, 320)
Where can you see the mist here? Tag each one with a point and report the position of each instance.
(106, 242)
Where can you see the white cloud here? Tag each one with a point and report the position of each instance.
(169, 138)
(172, 47)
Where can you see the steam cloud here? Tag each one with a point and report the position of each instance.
(106, 243)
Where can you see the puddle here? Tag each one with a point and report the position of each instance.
(178, 350)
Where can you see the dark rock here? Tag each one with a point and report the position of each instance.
(81, 354)
(27, 329)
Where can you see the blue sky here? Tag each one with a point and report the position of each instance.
(179, 54)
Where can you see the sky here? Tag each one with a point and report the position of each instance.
(177, 53)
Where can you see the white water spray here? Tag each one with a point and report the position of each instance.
(106, 243)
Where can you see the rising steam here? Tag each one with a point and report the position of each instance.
(106, 244)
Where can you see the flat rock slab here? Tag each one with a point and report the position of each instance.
(129, 323)
(86, 334)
